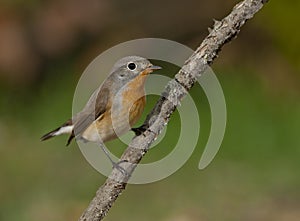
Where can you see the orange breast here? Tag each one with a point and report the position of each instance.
(125, 116)
(136, 110)
(136, 88)
(134, 98)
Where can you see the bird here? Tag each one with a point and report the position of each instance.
(114, 107)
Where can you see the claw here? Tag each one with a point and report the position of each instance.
(138, 130)
(118, 167)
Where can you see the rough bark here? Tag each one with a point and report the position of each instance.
(222, 32)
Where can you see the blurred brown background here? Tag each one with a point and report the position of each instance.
(46, 45)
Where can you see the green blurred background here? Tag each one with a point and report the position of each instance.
(46, 45)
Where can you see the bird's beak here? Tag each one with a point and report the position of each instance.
(150, 69)
(154, 68)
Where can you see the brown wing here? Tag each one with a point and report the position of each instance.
(96, 106)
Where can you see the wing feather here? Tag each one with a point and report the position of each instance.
(96, 106)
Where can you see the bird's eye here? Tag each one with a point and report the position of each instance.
(131, 66)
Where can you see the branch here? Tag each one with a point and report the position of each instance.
(222, 32)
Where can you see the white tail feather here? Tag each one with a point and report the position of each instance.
(64, 130)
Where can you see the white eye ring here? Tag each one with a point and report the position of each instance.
(131, 66)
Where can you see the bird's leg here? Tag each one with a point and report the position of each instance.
(139, 130)
(114, 164)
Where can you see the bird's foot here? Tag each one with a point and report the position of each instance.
(116, 165)
(139, 130)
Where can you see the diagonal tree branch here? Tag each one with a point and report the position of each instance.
(222, 32)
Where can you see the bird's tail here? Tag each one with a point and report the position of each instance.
(66, 128)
